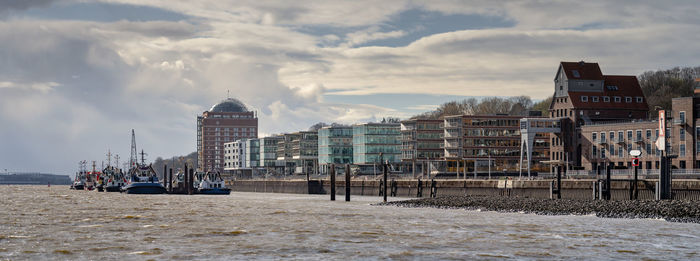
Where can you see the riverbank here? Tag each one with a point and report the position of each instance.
(687, 211)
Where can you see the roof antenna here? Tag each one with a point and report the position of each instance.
(228, 94)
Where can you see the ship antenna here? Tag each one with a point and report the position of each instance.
(109, 157)
(134, 157)
(143, 160)
(116, 158)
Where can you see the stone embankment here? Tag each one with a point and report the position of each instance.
(671, 210)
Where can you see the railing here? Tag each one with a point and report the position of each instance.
(629, 173)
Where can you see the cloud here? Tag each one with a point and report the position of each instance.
(82, 85)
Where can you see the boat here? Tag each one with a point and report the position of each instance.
(143, 180)
(115, 179)
(80, 176)
(212, 184)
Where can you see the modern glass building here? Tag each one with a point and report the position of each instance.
(334, 147)
(370, 139)
(421, 142)
(252, 153)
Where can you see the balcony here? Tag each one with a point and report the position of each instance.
(601, 141)
(620, 140)
(678, 121)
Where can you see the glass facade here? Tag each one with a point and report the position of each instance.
(335, 145)
(370, 139)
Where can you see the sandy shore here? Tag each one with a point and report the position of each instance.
(671, 210)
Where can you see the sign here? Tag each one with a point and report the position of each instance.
(635, 162)
(661, 140)
(635, 153)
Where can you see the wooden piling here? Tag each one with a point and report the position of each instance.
(386, 175)
(347, 182)
(190, 188)
(332, 182)
(170, 181)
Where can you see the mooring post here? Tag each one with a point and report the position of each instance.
(386, 175)
(433, 188)
(165, 173)
(186, 180)
(608, 190)
(551, 189)
(347, 182)
(559, 182)
(362, 190)
(394, 187)
(595, 190)
(636, 181)
(332, 182)
(170, 181)
(419, 190)
(190, 190)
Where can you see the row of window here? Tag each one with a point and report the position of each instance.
(617, 99)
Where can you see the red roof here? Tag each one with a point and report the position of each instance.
(614, 86)
(582, 70)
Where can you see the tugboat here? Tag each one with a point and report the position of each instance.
(143, 180)
(115, 179)
(142, 177)
(79, 181)
(92, 177)
(212, 184)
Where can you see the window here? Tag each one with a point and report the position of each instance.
(606, 99)
(575, 73)
(594, 98)
(595, 150)
(648, 135)
(681, 150)
(618, 99)
(639, 135)
(620, 152)
(602, 137)
(640, 99)
(602, 152)
(629, 135)
(612, 87)
(628, 99)
(681, 134)
(620, 137)
(612, 136)
(594, 136)
(612, 150)
(584, 98)
(561, 87)
(648, 148)
(580, 84)
(681, 117)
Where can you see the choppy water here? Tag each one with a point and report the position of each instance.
(39, 223)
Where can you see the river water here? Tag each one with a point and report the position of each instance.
(38, 223)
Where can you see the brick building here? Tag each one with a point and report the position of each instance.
(226, 121)
(584, 96)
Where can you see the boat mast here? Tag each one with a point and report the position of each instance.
(109, 157)
(134, 157)
(116, 158)
(143, 160)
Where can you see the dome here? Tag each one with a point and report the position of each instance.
(229, 105)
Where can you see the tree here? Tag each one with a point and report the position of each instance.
(543, 105)
(661, 86)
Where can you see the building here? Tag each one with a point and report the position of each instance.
(268, 154)
(371, 139)
(479, 143)
(299, 152)
(421, 141)
(234, 155)
(584, 96)
(252, 153)
(608, 144)
(334, 146)
(226, 121)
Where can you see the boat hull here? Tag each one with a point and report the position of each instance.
(214, 191)
(112, 188)
(144, 188)
(79, 187)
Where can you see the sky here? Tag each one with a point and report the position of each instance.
(76, 76)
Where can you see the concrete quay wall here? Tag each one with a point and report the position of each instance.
(571, 189)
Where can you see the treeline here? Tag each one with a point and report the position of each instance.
(661, 86)
(518, 105)
(177, 162)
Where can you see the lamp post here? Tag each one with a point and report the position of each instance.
(664, 191)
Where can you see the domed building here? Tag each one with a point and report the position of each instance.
(227, 121)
